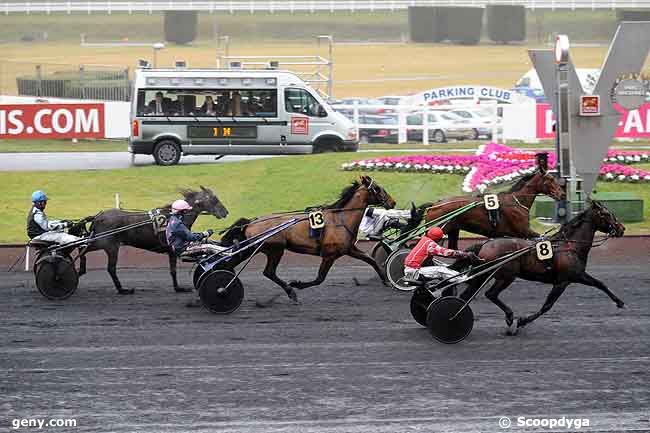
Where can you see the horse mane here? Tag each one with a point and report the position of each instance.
(344, 197)
(521, 182)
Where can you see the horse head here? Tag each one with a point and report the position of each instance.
(378, 195)
(605, 221)
(548, 185)
(205, 201)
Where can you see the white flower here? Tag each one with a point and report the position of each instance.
(609, 176)
(647, 177)
(634, 177)
(426, 166)
(621, 177)
(481, 188)
(637, 158)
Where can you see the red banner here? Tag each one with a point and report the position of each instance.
(633, 123)
(29, 121)
(300, 125)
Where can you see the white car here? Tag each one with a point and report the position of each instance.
(481, 121)
(442, 126)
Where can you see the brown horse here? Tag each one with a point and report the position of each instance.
(571, 245)
(514, 209)
(146, 237)
(338, 237)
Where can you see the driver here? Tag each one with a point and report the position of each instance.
(180, 239)
(376, 220)
(39, 227)
(428, 247)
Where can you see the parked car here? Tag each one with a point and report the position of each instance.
(349, 112)
(481, 121)
(442, 126)
(382, 133)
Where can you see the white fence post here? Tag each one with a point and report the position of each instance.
(401, 122)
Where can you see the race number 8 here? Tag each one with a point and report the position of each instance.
(544, 250)
(491, 201)
(316, 220)
(160, 223)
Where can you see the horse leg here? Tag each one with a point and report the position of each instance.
(493, 295)
(325, 266)
(553, 296)
(112, 252)
(360, 255)
(588, 280)
(273, 258)
(453, 236)
(172, 271)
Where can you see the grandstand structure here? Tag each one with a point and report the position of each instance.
(312, 6)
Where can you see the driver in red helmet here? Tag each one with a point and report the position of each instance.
(428, 247)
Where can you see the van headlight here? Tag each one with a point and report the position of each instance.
(352, 134)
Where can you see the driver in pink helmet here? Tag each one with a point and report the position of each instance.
(179, 237)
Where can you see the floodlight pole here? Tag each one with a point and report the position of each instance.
(156, 47)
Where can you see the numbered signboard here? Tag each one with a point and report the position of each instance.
(544, 250)
(316, 220)
(159, 223)
(491, 201)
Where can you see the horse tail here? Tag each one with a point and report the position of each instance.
(236, 232)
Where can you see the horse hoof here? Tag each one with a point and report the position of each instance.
(513, 327)
(183, 289)
(125, 291)
(620, 304)
(295, 284)
(294, 298)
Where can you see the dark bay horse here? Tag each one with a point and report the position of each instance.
(338, 238)
(514, 209)
(146, 237)
(571, 246)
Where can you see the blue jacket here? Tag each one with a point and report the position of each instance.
(178, 235)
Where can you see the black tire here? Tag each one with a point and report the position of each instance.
(439, 136)
(395, 270)
(363, 139)
(420, 302)
(441, 327)
(328, 144)
(380, 253)
(167, 152)
(214, 295)
(196, 277)
(56, 277)
(476, 135)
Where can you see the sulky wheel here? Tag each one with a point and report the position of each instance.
(395, 270)
(214, 294)
(56, 277)
(198, 273)
(380, 253)
(440, 324)
(420, 302)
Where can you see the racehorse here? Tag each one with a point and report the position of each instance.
(146, 237)
(514, 209)
(338, 237)
(571, 246)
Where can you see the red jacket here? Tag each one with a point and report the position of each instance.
(425, 248)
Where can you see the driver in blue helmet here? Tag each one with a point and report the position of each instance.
(40, 227)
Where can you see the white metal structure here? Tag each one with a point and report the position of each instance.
(271, 6)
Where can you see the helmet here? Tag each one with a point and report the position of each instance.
(435, 233)
(38, 196)
(180, 206)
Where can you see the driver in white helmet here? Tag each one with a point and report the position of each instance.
(181, 239)
(40, 227)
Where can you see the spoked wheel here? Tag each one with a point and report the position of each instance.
(395, 270)
(56, 277)
(420, 302)
(380, 253)
(220, 291)
(440, 323)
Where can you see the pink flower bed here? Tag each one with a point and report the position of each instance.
(496, 163)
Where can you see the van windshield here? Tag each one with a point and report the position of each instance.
(301, 101)
(208, 103)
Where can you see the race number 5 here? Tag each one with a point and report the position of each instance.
(316, 220)
(160, 223)
(491, 201)
(544, 250)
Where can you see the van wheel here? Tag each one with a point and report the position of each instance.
(328, 145)
(167, 152)
(439, 136)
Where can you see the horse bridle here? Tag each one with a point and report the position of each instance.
(381, 194)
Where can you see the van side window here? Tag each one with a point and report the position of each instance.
(301, 101)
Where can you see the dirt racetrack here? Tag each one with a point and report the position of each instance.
(348, 359)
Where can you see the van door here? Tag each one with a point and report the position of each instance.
(306, 117)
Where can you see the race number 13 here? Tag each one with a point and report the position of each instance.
(316, 220)
(491, 201)
(544, 250)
